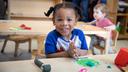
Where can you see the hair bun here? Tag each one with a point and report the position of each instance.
(51, 9)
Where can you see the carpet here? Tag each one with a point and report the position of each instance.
(10, 56)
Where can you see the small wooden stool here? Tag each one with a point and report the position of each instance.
(17, 39)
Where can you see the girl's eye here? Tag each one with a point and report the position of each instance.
(69, 19)
(96, 12)
(58, 19)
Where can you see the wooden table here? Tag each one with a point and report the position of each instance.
(61, 65)
(90, 29)
(40, 29)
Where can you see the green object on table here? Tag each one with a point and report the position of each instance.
(15, 28)
(87, 62)
(18, 28)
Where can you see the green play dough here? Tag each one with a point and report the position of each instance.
(87, 62)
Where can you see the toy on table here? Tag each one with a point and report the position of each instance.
(109, 66)
(121, 59)
(83, 70)
(15, 28)
(42, 66)
(23, 26)
(87, 62)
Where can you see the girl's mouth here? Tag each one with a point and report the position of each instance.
(64, 30)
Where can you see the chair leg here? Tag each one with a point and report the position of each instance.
(102, 52)
(5, 42)
(16, 48)
(29, 50)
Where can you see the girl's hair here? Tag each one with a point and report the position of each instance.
(64, 5)
(103, 8)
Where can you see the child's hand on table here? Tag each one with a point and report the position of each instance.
(73, 51)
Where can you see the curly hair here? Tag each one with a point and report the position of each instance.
(64, 5)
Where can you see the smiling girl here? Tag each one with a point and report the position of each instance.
(65, 40)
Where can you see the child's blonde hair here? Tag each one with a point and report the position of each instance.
(103, 8)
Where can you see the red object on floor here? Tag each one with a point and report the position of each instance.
(121, 59)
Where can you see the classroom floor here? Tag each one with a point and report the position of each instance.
(23, 50)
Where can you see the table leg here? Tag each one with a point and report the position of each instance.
(40, 50)
(40, 41)
(107, 45)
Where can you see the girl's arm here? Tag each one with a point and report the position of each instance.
(58, 54)
(92, 22)
(111, 27)
(78, 52)
(82, 52)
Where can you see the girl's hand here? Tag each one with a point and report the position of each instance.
(73, 52)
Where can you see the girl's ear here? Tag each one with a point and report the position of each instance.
(77, 18)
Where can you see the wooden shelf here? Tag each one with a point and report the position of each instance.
(28, 9)
(30, 18)
(122, 14)
(123, 37)
(123, 19)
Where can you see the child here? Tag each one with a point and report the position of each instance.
(65, 41)
(101, 20)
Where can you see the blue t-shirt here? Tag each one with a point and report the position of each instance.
(55, 42)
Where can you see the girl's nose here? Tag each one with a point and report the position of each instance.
(65, 23)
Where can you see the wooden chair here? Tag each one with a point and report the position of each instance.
(88, 40)
(114, 40)
(17, 39)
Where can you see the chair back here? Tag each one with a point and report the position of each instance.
(88, 41)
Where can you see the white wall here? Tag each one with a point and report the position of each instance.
(29, 8)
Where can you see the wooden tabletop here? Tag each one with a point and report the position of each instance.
(41, 27)
(61, 65)
(37, 27)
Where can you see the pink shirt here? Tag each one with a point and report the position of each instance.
(103, 22)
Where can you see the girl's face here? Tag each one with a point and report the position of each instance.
(98, 14)
(64, 21)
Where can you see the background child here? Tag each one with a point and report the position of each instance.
(100, 14)
(65, 41)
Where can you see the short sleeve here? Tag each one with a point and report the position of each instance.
(50, 43)
(83, 40)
